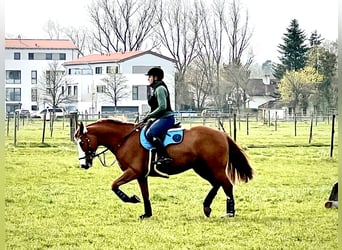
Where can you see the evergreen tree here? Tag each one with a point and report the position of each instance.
(293, 51)
(315, 39)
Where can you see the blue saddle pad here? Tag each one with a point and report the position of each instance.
(173, 136)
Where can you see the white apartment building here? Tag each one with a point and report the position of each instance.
(88, 74)
(25, 62)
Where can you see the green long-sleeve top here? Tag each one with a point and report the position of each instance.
(162, 96)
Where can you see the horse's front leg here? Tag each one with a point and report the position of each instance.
(143, 183)
(126, 176)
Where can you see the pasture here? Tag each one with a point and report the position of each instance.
(51, 203)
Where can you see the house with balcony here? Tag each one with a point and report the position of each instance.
(125, 72)
(26, 61)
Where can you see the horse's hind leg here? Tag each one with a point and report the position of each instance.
(230, 204)
(203, 171)
(209, 199)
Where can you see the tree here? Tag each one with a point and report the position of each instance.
(323, 58)
(238, 77)
(210, 47)
(53, 29)
(293, 51)
(297, 86)
(53, 85)
(122, 25)
(115, 87)
(196, 78)
(81, 38)
(177, 29)
(239, 34)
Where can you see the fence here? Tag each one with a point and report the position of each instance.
(231, 124)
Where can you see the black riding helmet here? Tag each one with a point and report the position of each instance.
(158, 72)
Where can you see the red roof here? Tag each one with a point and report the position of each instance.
(112, 57)
(39, 44)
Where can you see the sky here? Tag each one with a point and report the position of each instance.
(269, 19)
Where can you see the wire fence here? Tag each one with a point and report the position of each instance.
(232, 124)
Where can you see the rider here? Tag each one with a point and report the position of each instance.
(161, 112)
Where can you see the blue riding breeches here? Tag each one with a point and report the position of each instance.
(159, 127)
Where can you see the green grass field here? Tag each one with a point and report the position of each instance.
(51, 203)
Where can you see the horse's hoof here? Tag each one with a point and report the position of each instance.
(144, 216)
(134, 199)
(227, 215)
(207, 211)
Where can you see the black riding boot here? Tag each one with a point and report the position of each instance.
(163, 156)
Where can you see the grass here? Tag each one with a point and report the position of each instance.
(51, 203)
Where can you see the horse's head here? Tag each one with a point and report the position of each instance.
(86, 145)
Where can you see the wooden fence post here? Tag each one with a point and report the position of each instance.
(234, 127)
(310, 134)
(332, 136)
(247, 124)
(73, 124)
(295, 124)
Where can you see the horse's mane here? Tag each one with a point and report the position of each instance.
(112, 121)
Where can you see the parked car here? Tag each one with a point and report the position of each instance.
(23, 113)
(58, 113)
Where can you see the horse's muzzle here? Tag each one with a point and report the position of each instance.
(84, 166)
(87, 164)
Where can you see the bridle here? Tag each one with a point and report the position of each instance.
(92, 154)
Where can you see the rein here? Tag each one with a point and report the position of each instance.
(136, 128)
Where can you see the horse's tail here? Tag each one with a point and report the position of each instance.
(238, 167)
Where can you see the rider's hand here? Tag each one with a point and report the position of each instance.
(145, 119)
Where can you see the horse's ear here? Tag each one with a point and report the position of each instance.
(81, 128)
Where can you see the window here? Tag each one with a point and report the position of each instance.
(109, 69)
(13, 94)
(75, 91)
(34, 95)
(112, 69)
(48, 56)
(62, 56)
(13, 76)
(34, 77)
(30, 56)
(16, 55)
(140, 92)
(101, 88)
(69, 90)
(98, 70)
(142, 69)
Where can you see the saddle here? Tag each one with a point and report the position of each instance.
(173, 136)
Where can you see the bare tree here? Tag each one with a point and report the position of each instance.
(239, 34)
(211, 41)
(177, 29)
(53, 29)
(53, 84)
(81, 38)
(122, 25)
(197, 79)
(237, 76)
(115, 87)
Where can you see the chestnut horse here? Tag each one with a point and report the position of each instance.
(212, 154)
